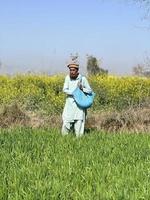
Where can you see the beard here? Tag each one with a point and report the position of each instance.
(73, 76)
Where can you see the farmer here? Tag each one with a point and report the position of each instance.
(73, 116)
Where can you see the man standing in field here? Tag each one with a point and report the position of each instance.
(74, 116)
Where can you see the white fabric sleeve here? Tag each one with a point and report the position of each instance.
(86, 86)
(66, 86)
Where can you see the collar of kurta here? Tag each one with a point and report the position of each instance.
(78, 77)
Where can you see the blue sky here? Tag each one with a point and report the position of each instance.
(40, 35)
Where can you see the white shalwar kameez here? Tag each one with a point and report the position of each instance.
(73, 116)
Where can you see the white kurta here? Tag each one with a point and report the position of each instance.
(71, 111)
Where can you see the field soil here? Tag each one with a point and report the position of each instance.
(133, 120)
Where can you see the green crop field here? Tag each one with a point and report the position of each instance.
(41, 164)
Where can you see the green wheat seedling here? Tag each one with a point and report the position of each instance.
(39, 164)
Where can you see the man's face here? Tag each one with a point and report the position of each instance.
(73, 72)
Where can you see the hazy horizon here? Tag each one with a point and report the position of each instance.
(40, 36)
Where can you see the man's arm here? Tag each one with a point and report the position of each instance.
(66, 86)
(85, 86)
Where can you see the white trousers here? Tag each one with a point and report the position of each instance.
(77, 126)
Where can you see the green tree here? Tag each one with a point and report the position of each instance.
(93, 66)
